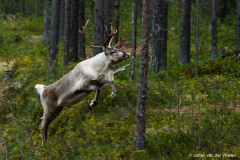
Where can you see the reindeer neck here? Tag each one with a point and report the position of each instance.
(101, 63)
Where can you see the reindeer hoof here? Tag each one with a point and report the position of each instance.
(113, 94)
(92, 104)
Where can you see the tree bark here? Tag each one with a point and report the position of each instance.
(116, 18)
(142, 92)
(214, 29)
(238, 25)
(14, 6)
(196, 41)
(184, 47)
(73, 42)
(98, 37)
(159, 35)
(134, 35)
(81, 43)
(53, 49)
(23, 8)
(107, 16)
(47, 22)
(67, 32)
(36, 9)
(62, 19)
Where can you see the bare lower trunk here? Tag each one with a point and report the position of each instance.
(73, 42)
(81, 43)
(214, 29)
(134, 36)
(184, 47)
(36, 9)
(62, 19)
(159, 35)
(142, 92)
(23, 8)
(238, 25)
(14, 6)
(196, 41)
(107, 16)
(47, 22)
(53, 49)
(98, 37)
(116, 17)
(67, 24)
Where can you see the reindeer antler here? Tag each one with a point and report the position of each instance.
(84, 36)
(121, 43)
(109, 37)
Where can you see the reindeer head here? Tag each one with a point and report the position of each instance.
(115, 54)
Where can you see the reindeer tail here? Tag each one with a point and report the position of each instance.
(39, 91)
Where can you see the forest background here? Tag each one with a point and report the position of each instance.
(186, 114)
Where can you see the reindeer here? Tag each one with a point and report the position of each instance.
(88, 75)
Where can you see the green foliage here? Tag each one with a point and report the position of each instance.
(185, 114)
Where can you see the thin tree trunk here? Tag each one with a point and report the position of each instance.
(134, 35)
(47, 22)
(73, 42)
(62, 19)
(196, 41)
(116, 18)
(184, 47)
(6, 150)
(142, 92)
(67, 31)
(23, 8)
(53, 49)
(36, 9)
(81, 43)
(159, 35)
(30, 133)
(238, 25)
(107, 16)
(214, 29)
(3, 10)
(98, 37)
(14, 6)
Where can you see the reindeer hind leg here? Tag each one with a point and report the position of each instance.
(47, 119)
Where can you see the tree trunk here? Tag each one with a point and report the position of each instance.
(47, 22)
(53, 49)
(36, 9)
(184, 47)
(142, 92)
(73, 42)
(134, 35)
(23, 8)
(67, 32)
(62, 19)
(116, 18)
(238, 24)
(81, 43)
(107, 16)
(3, 8)
(196, 41)
(98, 26)
(14, 6)
(214, 29)
(159, 35)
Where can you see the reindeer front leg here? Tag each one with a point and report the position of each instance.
(114, 90)
(95, 100)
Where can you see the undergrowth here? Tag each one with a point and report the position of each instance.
(185, 114)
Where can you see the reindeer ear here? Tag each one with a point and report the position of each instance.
(106, 50)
